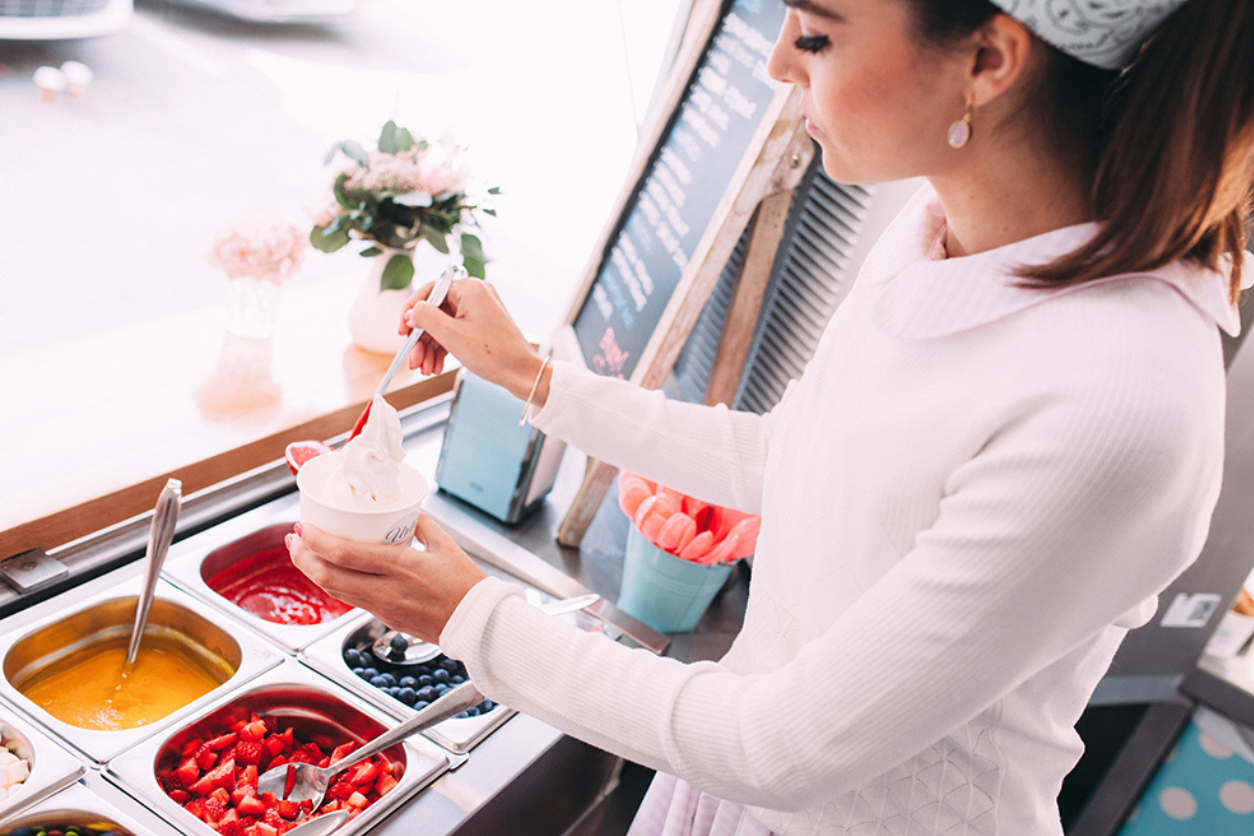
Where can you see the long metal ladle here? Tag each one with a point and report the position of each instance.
(307, 782)
(160, 535)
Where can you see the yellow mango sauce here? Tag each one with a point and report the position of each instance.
(91, 689)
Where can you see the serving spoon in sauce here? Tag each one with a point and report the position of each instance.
(160, 535)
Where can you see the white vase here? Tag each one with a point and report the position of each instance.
(375, 317)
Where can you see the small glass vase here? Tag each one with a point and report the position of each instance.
(252, 306)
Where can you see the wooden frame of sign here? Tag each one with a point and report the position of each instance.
(759, 190)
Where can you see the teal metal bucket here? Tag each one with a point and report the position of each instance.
(668, 594)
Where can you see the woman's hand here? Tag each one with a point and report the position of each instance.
(474, 327)
(407, 589)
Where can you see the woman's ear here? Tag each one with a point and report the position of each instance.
(1004, 52)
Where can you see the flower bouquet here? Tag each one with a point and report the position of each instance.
(406, 190)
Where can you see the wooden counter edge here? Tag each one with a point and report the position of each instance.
(57, 529)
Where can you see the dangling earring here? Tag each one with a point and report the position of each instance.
(960, 131)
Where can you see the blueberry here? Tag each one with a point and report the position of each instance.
(441, 688)
(486, 706)
(407, 682)
(399, 644)
(425, 680)
(352, 657)
(379, 681)
(390, 677)
(450, 665)
(370, 672)
(441, 675)
(406, 695)
(420, 705)
(360, 672)
(456, 679)
(427, 694)
(463, 715)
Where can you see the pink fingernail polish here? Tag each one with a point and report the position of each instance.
(288, 539)
(300, 532)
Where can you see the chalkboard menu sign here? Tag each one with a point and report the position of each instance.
(710, 132)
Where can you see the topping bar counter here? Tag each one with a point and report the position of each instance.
(244, 666)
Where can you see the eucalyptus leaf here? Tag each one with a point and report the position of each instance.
(387, 138)
(404, 140)
(437, 240)
(328, 242)
(370, 252)
(472, 247)
(474, 267)
(398, 273)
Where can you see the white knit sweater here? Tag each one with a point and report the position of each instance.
(970, 496)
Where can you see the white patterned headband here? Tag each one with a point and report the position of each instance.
(1105, 33)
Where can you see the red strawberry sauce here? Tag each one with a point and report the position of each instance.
(267, 585)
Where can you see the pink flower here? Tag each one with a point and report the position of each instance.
(263, 250)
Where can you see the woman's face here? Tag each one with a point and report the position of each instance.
(876, 99)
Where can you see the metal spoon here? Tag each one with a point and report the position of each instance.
(321, 825)
(402, 649)
(309, 782)
(160, 535)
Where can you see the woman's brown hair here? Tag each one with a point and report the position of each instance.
(1171, 138)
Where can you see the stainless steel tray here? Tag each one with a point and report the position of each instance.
(54, 633)
(77, 804)
(327, 657)
(306, 700)
(52, 767)
(193, 561)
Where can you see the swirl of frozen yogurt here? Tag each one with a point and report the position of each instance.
(367, 475)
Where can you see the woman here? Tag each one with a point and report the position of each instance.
(1008, 442)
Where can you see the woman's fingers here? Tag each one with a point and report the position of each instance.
(409, 589)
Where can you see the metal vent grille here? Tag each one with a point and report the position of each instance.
(810, 278)
(50, 8)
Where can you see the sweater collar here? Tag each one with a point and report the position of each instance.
(924, 294)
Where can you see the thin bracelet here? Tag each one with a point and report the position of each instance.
(522, 422)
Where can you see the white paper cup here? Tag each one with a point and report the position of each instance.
(389, 525)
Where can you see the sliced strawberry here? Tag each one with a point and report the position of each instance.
(190, 747)
(202, 786)
(329, 807)
(357, 800)
(344, 749)
(214, 810)
(232, 828)
(339, 789)
(361, 422)
(205, 756)
(385, 784)
(249, 752)
(251, 805)
(364, 773)
(254, 730)
(221, 796)
(287, 809)
(263, 829)
(196, 807)
(223, 775)
(220, 742)
(299, 452)
(180, 796)
(247, 777)
(187, 773)
(273, 818)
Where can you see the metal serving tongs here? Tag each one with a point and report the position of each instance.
(451, 274)
(160, 535)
